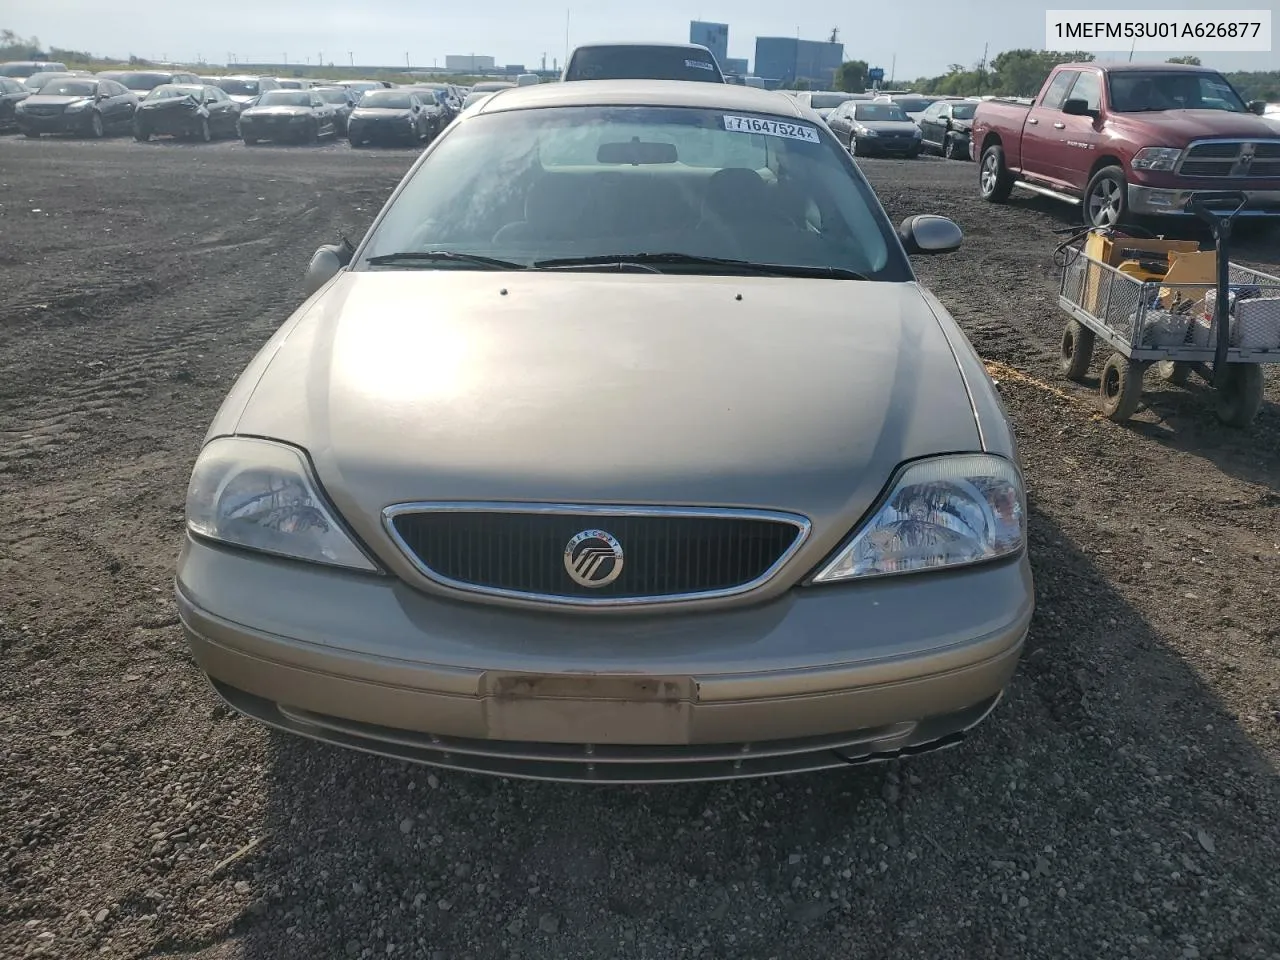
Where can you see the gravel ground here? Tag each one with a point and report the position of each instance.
(1122, 801)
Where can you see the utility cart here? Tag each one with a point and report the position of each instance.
(1223, 324)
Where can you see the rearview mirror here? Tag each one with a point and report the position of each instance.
(1077, 108)
(1258, 106)
(928, 234)
(636, 151)
(325, 264)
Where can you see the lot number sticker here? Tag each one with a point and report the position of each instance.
(771, 128)
(700, 64)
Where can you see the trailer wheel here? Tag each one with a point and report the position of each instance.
(1120, 387)
(1174, 371)
(1240, 394)
(1077, 350)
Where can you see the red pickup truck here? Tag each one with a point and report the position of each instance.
(1126, 140)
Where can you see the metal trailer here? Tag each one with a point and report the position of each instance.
(1180, 328)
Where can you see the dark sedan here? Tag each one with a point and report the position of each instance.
(343, 102)
(86, 106)
(288, 115)
(186, 110)
(393, 116)
(875, 129)
(143, 82)
(12, 93)
(946, 126)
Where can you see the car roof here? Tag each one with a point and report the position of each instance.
(1140, 67)
(648, 93)
(641, 43)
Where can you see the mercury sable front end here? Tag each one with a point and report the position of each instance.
(680, 476)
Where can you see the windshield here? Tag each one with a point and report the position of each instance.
(963, 111)
(139, 81)
(530, 185)
(332, 94)
(240, 88)
(25, 68)
(1137, 92)
(39, 80)
(641, 63)
(913, 104)
(70, 88)
(170, 91)
(475, 98)
(388, 100)
(285, 98)
(879, 111)
(827, 101)
(290, 84)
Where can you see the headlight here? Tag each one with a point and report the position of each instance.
(941, 512)
(1156, 158)
(78, 106)
(867, 132)
(260, 494)
(20, 107)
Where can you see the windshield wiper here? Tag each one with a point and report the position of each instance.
(446, 256)
(691, 260)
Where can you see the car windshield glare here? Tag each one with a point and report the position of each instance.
(386, 101)
(69, 88)
(140, 81)
(170, 91)
(285, 98)
(1137, 92)
(332, 94)
(880, 111)
(913, 105)
(529, 185)
(963, 111)
(239, 88)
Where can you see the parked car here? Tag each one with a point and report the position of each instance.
(475, 97)
(288, 116)
(528, 80)
(244, 90)
(143, 82)
(185, 110)
(36, 81)
(343, 102)
(12, 93)
(87, 106)
(294, 83)
(641, 61)
(394, 116)
(945, 126)
(359, 88)
(20, 70)
(446, 96)
(912, 105)
(824, 101)
(745, 503)
(491, 86)
(872, 128)
(1124, 140)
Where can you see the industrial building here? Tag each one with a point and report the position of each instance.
(713, 36)
(736, 66)
(468, 64)
(789, 59)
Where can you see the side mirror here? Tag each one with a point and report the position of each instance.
(928, 234)
(1077, 108)
(325, 264)
(1258, 106)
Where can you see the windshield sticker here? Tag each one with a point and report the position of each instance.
(771, 128)
(700, 64)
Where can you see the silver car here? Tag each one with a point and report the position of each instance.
(624, 447)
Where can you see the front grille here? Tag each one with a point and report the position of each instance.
(1232, 158)
(667, 555)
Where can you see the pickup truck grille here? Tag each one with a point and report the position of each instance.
(1232, 158)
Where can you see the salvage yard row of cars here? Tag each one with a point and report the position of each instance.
(150, 103)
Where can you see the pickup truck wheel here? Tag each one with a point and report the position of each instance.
(1106, 199)
(994, 180)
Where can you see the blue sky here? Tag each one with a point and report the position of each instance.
(924, 35)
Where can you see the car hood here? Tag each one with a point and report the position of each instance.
(379, 113)
(888, 126)
(1186, 125)
(168, 103)
(280, 111)
(243, 97)
(799, 395)
(40, 100)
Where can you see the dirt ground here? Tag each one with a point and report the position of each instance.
(1121, 802)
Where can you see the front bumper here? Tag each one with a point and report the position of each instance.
(275, 130)
(57, 123)
(1161, 201)
(169, 123)
(366, 132)
(820, 678)
(870, 146)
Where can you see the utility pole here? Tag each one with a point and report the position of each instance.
(982, 70)
(406, 59)
(893, 70)
(1132, 48)
(351, 54)
(566, 35)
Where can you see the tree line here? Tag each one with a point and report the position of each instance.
(1021, 73)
